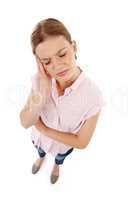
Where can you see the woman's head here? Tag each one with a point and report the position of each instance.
(52, 45)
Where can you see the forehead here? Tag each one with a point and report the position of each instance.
(51, 46)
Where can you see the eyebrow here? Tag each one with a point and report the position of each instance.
(56, 53)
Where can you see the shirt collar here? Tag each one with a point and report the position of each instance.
(78, 81)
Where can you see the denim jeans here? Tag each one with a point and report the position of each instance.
(59, 159)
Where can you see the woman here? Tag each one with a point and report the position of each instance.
(64, 104)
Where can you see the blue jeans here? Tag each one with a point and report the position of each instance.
(59, 159)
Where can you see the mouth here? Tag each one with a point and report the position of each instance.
(62, 73)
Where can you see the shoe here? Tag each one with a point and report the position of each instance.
(35, 169)
(53, 178)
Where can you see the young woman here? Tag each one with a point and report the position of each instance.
(64, 104)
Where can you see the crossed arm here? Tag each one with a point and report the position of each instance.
(80, 140)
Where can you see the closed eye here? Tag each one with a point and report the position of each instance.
(47, 63)
(62, 55)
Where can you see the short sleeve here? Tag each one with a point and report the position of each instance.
(95, 102)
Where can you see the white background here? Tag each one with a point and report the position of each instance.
(103, 31)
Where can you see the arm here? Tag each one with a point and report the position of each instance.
(37, 98)
(30, 113)
(79, 141)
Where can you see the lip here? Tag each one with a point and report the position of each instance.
(62, 73)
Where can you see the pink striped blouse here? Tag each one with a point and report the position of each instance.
(67, 113)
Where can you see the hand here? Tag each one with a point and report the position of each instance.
(41, 84)
(45, 79)
(40, 125)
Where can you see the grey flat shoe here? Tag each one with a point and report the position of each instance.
(53, 178)
(35, 169)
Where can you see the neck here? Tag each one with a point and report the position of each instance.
(63, 84)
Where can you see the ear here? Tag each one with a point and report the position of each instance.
(74, 45)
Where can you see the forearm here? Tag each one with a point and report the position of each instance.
(28, 118)
(64, 137)
(30, 113)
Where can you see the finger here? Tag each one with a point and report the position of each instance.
(45, 78)
(40, 67)
(38, 64)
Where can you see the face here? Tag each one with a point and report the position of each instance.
(56, 55)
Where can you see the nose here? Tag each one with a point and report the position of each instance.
(55, 63)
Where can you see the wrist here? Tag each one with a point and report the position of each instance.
(37, 100)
